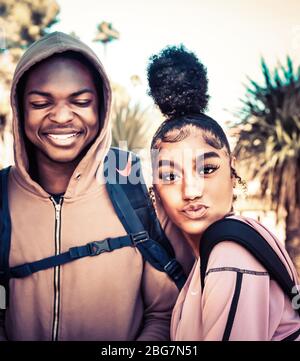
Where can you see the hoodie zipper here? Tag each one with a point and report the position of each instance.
(57, 207)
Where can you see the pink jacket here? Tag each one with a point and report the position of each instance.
(263, 311)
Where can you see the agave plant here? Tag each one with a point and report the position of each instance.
(269, 144)
(130, 125)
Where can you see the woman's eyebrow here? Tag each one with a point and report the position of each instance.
(200, 158)
(206, 155)
(168, 163)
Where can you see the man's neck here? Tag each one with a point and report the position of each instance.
(54, 177)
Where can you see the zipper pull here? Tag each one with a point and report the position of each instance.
(57, 210)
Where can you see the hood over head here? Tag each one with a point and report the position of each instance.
(85, 172)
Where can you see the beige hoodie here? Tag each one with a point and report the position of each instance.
(113, 296)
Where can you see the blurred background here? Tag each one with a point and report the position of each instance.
(252, 54)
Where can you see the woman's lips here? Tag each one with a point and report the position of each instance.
(195, 211)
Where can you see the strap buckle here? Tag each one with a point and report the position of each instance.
(173, 269)
(98, 247)
(139, 237)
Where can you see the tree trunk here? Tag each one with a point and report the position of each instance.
(293, 236)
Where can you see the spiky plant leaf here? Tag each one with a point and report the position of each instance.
(270, 148)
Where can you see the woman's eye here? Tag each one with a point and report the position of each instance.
(208, 169)
(169, 177)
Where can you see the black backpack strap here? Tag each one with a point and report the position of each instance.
(137, 236)
(237, 231)
(133, 206)
(91, 249)
(153, 252)
(136, 191)
(5, 231)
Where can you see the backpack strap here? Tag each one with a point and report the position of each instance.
(135, 189)
(134, 208)
(5, 231)
(137, 236)
(151, 250)
(91, 249)
(245, 235)
(239, 232)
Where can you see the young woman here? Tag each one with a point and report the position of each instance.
(194, 177)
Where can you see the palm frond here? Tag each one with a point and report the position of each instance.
(269, 134)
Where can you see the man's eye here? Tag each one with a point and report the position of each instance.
(40, 105)
(82, 103)
(208, 169)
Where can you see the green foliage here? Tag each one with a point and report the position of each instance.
(130, 124)
(21, 23)
(106, 33)
(25, 21)
(269, 144)
(269, 134)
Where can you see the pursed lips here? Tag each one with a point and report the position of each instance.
(195, 210)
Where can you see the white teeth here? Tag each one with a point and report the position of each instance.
(62, 136)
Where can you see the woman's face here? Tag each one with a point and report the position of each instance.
(194, 183)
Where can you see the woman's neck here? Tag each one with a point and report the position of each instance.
(194, 242)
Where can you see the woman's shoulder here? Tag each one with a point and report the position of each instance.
(228, 253)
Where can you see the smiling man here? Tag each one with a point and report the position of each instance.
(60, 121)
(61, 101)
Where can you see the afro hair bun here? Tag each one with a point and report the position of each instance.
(177, 82)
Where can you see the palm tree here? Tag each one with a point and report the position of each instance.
(106, 34)
(269, 144)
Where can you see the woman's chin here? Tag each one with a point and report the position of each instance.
(196, 229)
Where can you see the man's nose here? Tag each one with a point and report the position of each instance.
(61, 114)
(193, 187)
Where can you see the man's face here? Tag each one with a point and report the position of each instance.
(60, 109)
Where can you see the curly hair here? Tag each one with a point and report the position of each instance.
(178, 82)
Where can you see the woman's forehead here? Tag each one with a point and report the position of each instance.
(190, 147)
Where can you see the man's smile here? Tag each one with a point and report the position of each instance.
(63, 138)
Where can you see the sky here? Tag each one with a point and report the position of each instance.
(229, 37)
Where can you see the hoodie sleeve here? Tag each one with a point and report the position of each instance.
(236, 296)
(159, 294)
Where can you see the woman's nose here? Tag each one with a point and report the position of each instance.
(193, 187)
